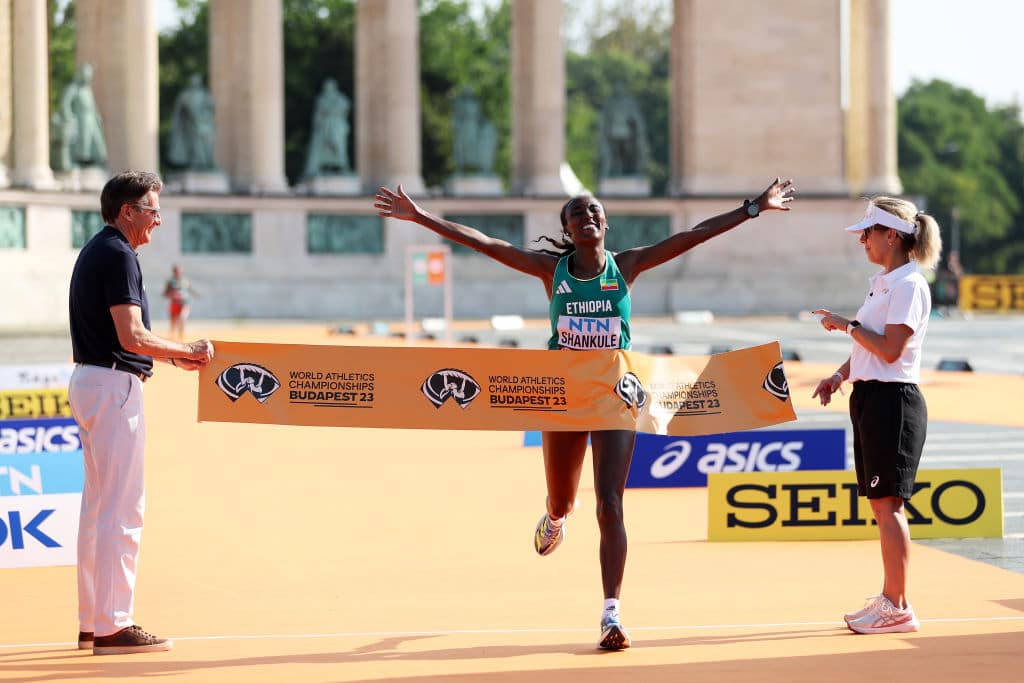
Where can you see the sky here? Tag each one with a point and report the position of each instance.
(977, 44)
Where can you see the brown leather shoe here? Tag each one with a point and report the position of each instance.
(129, 640)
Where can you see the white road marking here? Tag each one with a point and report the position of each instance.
(508, 631)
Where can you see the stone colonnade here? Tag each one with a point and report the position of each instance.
(756, 91)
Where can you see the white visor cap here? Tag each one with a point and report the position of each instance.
(877, 216)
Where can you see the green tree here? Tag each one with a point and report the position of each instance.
(633, 50)
(61, 19)
(319, 43)
(956, 153)
(458, 51)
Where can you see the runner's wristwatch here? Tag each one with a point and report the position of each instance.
(851, 325)
(752, 209)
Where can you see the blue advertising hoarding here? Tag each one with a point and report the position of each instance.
(668, 461)
(671, 461)
(39, 457)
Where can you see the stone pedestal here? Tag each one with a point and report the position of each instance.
(88, 179)
(474, 186)
(198, 182)
(624, 186)
(331, 186)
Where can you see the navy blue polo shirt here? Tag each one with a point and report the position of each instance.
(107, 273)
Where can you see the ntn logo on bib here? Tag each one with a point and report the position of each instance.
(581, 333)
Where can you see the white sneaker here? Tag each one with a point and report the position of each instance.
(886, 617)
(613, 634)
(869, 604)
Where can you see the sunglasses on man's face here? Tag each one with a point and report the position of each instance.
(155, 212)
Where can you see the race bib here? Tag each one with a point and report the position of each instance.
(582, 333)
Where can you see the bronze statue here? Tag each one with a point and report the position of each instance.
(328, 144)
(622, 136)
(193, 131)
(77, 129)
(475, 138)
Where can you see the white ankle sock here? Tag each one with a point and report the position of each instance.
(611, 606)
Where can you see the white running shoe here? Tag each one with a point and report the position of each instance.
(613, 634)
(869, 604)
(886, 617)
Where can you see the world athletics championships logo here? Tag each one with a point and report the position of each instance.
(631, 391)
(776, 383)
(450, 384)
(248, 377)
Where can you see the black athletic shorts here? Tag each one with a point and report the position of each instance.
(890, 422)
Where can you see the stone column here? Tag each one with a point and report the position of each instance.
(6, 92)
(119, 39)
(756, 93)
(387, 98)
(682, 62)
(871, 117)
(224, 62)
(31, 104)
(538, 98)
(247, 84)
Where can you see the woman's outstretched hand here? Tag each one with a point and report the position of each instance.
(395, 204)
(778, 194)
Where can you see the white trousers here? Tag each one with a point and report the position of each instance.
(107, 404)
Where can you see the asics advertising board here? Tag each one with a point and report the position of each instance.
(816, 506)
(47, 435)
(668, 461)
(41, 479)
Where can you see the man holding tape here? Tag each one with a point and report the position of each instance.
(887, 409)
(113, 353)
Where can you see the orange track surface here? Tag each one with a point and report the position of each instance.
(322, 554)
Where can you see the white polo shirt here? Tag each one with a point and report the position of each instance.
(897, 298)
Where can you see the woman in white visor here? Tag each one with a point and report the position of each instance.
(887, 409)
